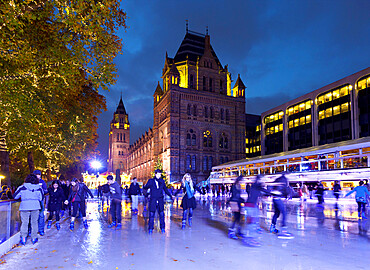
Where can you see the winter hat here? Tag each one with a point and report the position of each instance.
(110, 177)
(158, 171)
(37, 172)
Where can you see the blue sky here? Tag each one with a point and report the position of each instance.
(281, 49)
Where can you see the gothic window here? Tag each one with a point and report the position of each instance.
(204, 83)
(210, 85)
(224, 141)
(205, 163)
(124, 137)
(189, 109)
(120, 136)
(188, 163)
(221, 87)
(210, 161)
(227, 115)
(195, 110)
(221, 160)
(188, 139)
(191, 81)
(206, 112)
(212, 113)
(117, 137)
(222, 114)
(193, 163)
(193, 139)
(207, 139)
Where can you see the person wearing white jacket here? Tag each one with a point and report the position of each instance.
(31, 195)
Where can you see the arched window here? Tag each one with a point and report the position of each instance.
(221, 160)
(193, 163)
(189, 110)
(210, 85)
(211, 112)
(188, 163)
(227, 115)
(204, 83)
(117, 137)
(207, 139)
(222, 114)
(205, 163)
(224, 141)
(193, 139)
(206, 112)
(124, 137)
(221, 87)
(195, 110)
(191, 81)
(188, 139)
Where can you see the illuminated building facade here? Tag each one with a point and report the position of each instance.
(336, 112)
(252, 135)
(119, 140)
(199, 118)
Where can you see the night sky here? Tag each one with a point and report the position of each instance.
(281, 49)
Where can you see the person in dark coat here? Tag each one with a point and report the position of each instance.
(116, 203)
(320, 193)
(156, 202)
(336, 190)
(134, 191)
(235, 203)
(188, 202)
(41, 220)
(77, 197)
(56, 199)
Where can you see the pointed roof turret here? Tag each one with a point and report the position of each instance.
(158, 91)
(121, 108)
(239, 83)
(174, 70)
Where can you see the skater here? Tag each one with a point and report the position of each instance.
(31, 196)
(235, 203)
(116, 203)
(134, 192)
(67, 190)
(305, 192)
(361, 192)
(252, 218)
(320, 193)
(336, 190)
(188, 203)
(156, 202)
(106, 193)
(56, 199)
(41, 220)
(77, 199)
(280, 190)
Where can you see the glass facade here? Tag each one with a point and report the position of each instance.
(274, 132)
(363, 88)
(334, 115)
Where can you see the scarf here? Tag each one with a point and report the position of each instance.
(189, 190)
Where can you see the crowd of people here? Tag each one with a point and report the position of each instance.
(69, 196)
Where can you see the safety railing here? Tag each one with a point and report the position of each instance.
(9, 219)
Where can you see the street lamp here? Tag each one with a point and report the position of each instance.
(95, 164)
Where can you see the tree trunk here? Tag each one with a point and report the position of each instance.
(4, 158)
(48, 171)
(30, 161)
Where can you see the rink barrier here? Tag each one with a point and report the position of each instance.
(9, 225)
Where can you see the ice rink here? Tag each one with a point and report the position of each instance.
(329, 237)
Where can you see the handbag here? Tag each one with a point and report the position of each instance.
(234, 206)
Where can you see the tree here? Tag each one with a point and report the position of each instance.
(52, 55)
(159, 165)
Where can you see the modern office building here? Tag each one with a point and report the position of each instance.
(333, 113)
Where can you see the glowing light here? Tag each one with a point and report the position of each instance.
(95, 164)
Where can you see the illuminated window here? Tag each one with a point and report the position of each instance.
(320, 100)
(296, 109)
(258, 128)
(361, 84)
(302, 120)
(291, 124)
(296, 122)
(272, 130)
(246, 140)
(276, 129)
(336, 110)
(207, 139)
(328, 112)
(246, 151)
(302, 107)
(308, 119)
(344, 91)
(336, 94)
(258, 148)
(308, 104)
(328, 97)
(290, 111)
(268, 131)
(344, 107)
(281, 114)
(321, 115)
(281, 127)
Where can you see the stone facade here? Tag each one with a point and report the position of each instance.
(199, 119)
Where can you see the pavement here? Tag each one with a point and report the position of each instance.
(326, 237)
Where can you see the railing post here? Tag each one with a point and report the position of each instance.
(8, 220)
